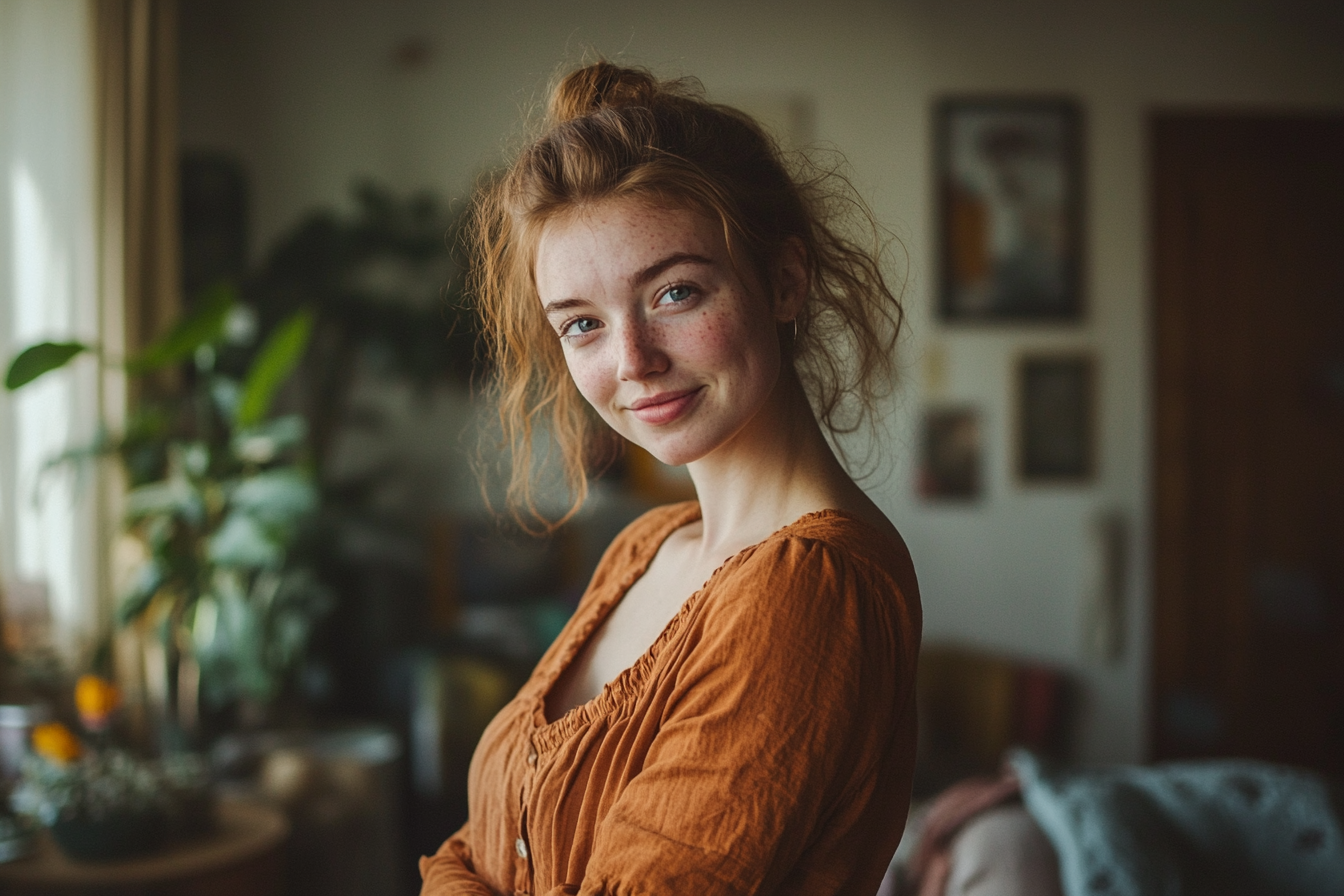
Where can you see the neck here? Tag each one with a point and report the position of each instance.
(778, 468)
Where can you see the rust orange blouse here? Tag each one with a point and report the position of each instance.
(764, 743)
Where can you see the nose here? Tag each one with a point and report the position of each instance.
(641, 355)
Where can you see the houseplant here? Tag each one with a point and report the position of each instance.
(101, 804)
(218, 493)
(98, 800)
(389, 365)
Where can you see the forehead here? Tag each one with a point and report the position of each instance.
(619, 238)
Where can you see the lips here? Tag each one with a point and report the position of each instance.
(664, 407)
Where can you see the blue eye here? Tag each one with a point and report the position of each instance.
(675, 294)
(579, 327)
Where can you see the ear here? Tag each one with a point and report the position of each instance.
(791, 280)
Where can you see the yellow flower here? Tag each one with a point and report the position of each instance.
(54, 741)
(96, 699)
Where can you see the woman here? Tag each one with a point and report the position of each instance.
(731, 708)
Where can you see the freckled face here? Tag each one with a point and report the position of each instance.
(662, 337)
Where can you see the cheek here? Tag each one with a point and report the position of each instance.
(592, 378)
(716, 338)
(741, 343)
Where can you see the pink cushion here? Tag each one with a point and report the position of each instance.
(1003, 852)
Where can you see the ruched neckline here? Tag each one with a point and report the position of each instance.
(622, 691)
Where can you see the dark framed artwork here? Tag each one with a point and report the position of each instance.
(1010, 209)
(1056, 417)
(950, 455)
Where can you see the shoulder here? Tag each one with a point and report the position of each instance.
(823, 614)
(844, 537)
(827, 577)
(635, 546)
(835, 547)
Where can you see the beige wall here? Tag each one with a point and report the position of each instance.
(307, 93)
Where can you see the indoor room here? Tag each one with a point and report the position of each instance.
(254, 538)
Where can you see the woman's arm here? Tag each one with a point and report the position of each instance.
(449, 871)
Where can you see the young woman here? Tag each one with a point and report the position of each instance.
(731, 708)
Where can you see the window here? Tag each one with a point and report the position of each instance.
(49, 271)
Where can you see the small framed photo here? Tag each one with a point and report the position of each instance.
(950, 455)
(1056, 439)
(1009, 209)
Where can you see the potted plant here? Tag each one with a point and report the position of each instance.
(98, 804)
(219, 491)
(98, 800)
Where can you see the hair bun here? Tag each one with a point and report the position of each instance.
(602, 84)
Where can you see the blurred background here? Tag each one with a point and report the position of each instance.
(1123, 503)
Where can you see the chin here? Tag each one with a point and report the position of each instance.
(676, 449)
(673, 457)
(685, 441)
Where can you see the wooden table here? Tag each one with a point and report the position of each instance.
(242, 856)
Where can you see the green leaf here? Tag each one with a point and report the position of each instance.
(205, 327)
(276, 498)
(205, 624)
(148, 579)
(242, 541)
(158, 533)
(242, 622)
(195, 458)
(38, 359)
(168, 496)
(275, 361)
(262, 443)
(224, 393)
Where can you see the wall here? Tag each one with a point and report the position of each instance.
(308, 94)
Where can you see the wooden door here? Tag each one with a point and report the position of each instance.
(1249, 466)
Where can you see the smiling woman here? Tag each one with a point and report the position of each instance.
(731, 707)
(617, 133)
(662, 337)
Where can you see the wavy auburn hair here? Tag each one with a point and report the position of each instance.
(612, 132)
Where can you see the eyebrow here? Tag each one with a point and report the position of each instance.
(639, 279)
(670, 261)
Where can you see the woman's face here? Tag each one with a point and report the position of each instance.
(662, 336)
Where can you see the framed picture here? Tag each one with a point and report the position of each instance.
(1009, 209)
(1056, 418)
(950, 455)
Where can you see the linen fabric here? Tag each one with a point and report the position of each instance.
(764, 744)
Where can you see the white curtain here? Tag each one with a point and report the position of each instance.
(51, 549)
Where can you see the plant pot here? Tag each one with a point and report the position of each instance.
(192, 815)
(119, 835)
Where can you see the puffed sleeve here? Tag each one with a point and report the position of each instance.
(449, 871)
(784, 717)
